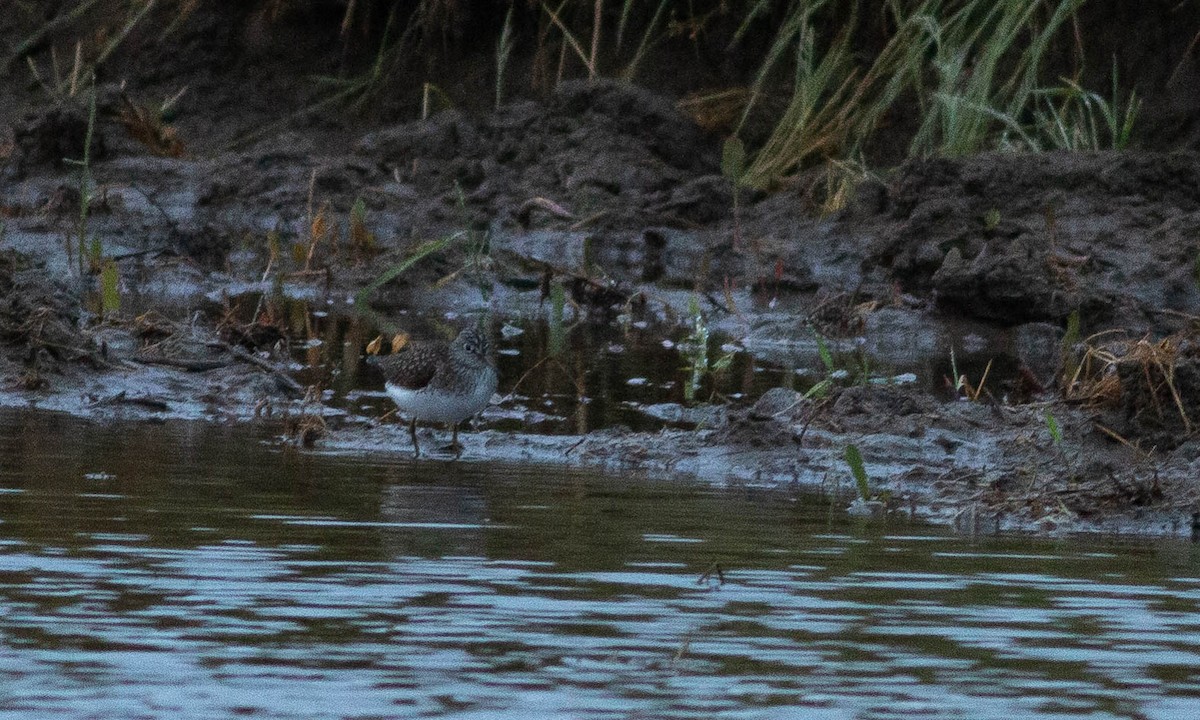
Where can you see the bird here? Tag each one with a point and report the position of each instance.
(439, 382)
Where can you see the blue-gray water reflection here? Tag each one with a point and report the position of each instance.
(191, 571)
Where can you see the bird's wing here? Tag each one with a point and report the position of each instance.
(413, 368)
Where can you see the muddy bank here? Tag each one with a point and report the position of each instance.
(982, 468)
(980, 276)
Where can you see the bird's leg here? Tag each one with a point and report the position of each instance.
(454, 447)
(412, 432)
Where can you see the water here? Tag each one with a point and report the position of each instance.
(602, 377)
(191, 571)
(636, 375)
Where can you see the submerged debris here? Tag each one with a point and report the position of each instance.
(39, 319)
(1149, 391)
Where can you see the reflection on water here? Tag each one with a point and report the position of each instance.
(190, 571)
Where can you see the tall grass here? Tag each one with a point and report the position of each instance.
(835, 104)
(504, 49)
(975, 70)
(86, 186)
(1072, 118)
(987, 63)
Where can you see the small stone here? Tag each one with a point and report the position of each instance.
(778, 403)
(866, 508)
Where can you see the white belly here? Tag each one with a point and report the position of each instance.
(435, 406)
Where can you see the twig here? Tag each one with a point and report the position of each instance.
(184, 363)
(124, 399)
(575, 445)
(280, 376)
(156, 205)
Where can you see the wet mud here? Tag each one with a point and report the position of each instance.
(1008, 340)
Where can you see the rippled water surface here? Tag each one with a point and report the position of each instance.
(177, 571)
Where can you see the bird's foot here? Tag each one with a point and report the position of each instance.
(453, 448)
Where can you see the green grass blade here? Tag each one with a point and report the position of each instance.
(858, 470)
(503, 50)
(733, 158)
(67, 18)
(1055, 431)
(422, 252)
(824, 353)
(110, 288)
(130, 24)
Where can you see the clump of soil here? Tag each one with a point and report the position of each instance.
(1150, 390)
(51, 136)
(613, 155)
(1018, 238)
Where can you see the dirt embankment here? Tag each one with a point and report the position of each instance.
(610, 190)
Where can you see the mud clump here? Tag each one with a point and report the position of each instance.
(779, 418)
(51, 137)
(205, 243)
(875, 409)
(1014, 282)
(1159, 401)
(609, 152)
(1019, 238)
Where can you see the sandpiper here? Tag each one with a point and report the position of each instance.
(436, 382)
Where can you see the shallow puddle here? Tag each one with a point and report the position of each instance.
(186, 570)
(586, 376)
(554, 380)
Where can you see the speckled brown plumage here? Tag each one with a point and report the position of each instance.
(417, 365)
(439, 382)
